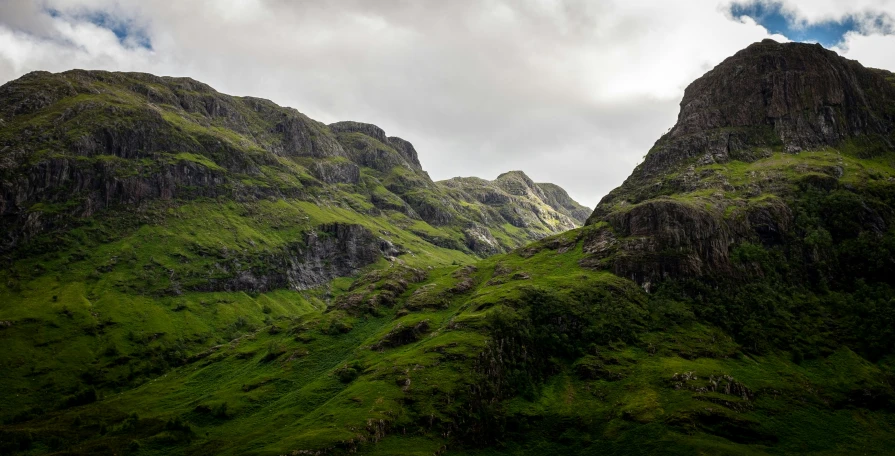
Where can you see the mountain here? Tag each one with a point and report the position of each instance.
(778, 145)
(733, 296)
(514, 199)
(145, 219)
(79, 143)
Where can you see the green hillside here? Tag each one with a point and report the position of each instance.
(147, 220)
(733, 296)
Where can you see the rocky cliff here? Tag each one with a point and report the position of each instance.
(557, 198)
(790, 96)
(753, 135)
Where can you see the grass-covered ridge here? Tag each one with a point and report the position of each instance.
(79, 142)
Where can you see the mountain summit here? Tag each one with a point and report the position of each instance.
(796, 96)
(735, 163)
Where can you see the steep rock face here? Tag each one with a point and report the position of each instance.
(50, 190)
(302, 137)
(796, 95)
(683, 210)
(407, 150)
(557, 198)
(769, 96)
(810, 96)
(336, 172)
(663, 238)
(402, 146)
(332, 250)
(369, 146)
(480, 240)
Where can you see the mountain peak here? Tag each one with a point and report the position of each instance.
(516, 183)
(752, 134)
(404, 147)
(521, 201)
(350, 126)
(792, 95)
(516, 173)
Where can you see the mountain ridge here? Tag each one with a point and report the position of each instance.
(133, 137)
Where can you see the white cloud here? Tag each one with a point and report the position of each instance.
(873, 50)
(816, 11)
(573, 92)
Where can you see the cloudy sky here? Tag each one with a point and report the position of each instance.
(571, 92)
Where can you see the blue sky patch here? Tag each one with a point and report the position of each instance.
(773, 17)
(128, 33)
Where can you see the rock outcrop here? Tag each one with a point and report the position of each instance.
(794, 95)
(676, 216)
(407, 151)
(330, 251)
(557, 198)
(663, 238)
(336, 172)
(480, 240)
(381, 154)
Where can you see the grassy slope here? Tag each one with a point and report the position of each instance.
(98, 296)
(304, 385)
(100, 308)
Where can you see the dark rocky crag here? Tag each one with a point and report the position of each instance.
(333, 250)
(680, 215)
(795, 96)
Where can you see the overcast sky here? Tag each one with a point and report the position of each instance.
(572, 92)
